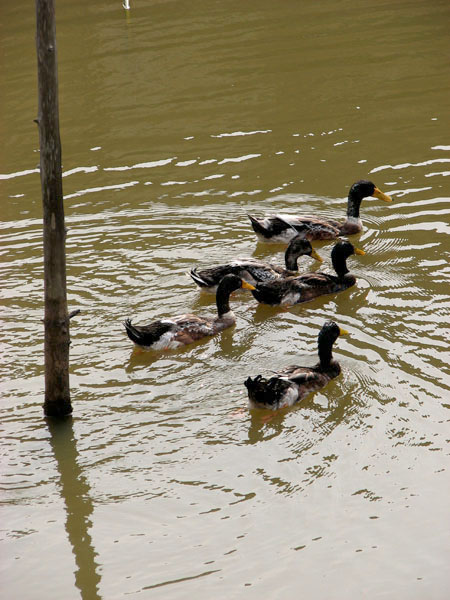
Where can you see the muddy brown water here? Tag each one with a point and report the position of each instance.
(176, 120)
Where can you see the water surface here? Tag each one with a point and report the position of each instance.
(176, 120)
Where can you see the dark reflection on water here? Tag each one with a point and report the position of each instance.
(76, 494)
(265, 424)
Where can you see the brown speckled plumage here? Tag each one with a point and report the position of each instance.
(291, 384)
(281, 228)
(305, 287)
(253, 270)
(185, 329)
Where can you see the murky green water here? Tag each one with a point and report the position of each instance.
(176, 120)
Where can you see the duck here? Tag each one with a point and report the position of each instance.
(302, 288)
(291, 384)
(254, 271)
(280, 228)
(170, 333)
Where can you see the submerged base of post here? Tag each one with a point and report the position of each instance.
(57, 408)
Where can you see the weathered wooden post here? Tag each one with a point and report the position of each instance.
(56, 319)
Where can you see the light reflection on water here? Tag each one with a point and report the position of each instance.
(180, 487)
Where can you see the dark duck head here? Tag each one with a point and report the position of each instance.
(326, 338)
(226, 287)
(299, 246)
(341, 251)
(359, 190)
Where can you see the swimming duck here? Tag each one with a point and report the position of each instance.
(280, 228)
(254, 271)
(181, 330)
(293, 290)
(291, 384)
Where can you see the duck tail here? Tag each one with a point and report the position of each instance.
(257, 389)
(133, 333)
(266, 392)
(258, 227)
(197, 279)
(253, 384)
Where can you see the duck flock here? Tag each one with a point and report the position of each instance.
(275, 285)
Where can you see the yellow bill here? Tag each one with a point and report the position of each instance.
(359, 251)
(247, 286)
(379, 194)
(343, 331)
(316, 256)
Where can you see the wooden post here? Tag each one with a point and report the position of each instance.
(56, 320)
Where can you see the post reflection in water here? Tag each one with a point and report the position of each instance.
(75, 492)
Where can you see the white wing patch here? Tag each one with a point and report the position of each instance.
(290, 397)
(291, 298)
(165, 342)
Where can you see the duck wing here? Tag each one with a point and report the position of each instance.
(177, 331)
(319, 284)
(249, 269)
(256, 271)
(302, 288)
(309, 379)
(305, 377)
(211, 276)
(280, 291)
(292, 371)
(190, 328)
(319, 229)
(317, 280)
